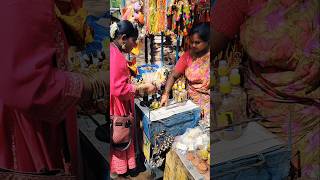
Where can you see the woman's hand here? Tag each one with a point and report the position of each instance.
(150, 88)
(164, 100)
(146, 88)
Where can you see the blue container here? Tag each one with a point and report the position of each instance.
(271, 164)
(142, 70)
(101, 33)
(174, 125)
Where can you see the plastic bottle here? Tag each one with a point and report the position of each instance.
(224, 85)
(223, 68)
(227, 112)
(239, 94)
(235, 77)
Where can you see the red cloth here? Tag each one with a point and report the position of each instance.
(184, 61)
(76, 4)
(66, 7)
(121, 101)
(35, 96)
(228, 15)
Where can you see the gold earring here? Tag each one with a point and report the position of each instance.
(123, 46)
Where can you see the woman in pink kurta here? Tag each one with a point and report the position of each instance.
(124, 36)
(37, 93)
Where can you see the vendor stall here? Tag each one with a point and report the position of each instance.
(163, 37)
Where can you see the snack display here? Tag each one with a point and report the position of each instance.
(166, 39)
(179, 91)
(196, 145)
(156, 76)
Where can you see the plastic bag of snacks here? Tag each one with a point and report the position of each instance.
(195, 145)
(192, 140)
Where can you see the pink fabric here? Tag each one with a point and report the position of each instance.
(65, 7)
(228, 15)
(76, 4)
(184, 61)
(121, 101)
(282, 45)
(35, 96)
(198, 76)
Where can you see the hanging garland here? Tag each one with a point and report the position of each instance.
(155, 16)
(201, 9)
(175, 16)
(161, 15)
(179, 17)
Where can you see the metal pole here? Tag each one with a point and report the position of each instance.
(177, 48)
(162, 53)
(146, 49)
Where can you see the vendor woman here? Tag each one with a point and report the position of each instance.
(195, 66)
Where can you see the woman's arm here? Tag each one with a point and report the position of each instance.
(171, 79)
(29, 81)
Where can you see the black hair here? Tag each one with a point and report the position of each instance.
(125, 27)
(203, 29)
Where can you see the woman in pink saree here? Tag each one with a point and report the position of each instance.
(195, 66)
(282, 41)
(37, 93)
(124, 36)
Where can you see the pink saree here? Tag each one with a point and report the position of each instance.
(197, 73)
(37, 94)
(282, 41)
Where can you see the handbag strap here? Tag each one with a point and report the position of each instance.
(127, 146)
(129, 143)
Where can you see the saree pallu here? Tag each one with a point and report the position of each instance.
(282, 41)
(198, 76)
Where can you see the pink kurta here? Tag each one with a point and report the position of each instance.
(35, 95)
(121, 98)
